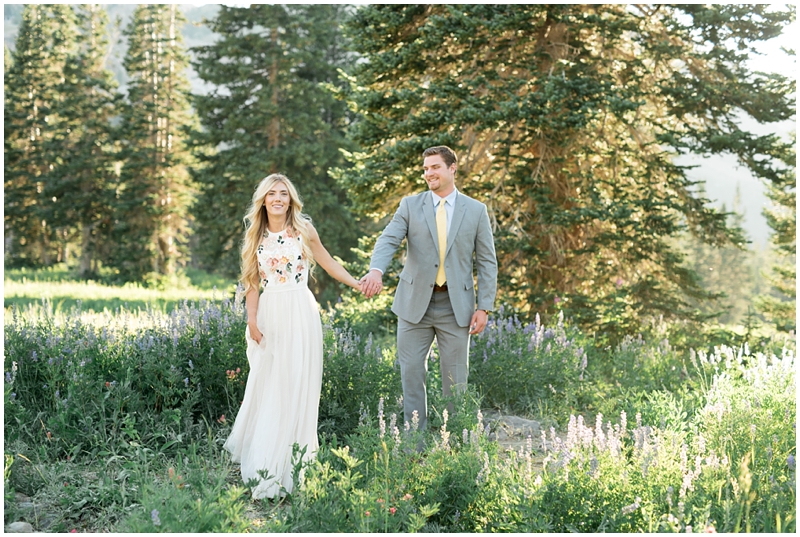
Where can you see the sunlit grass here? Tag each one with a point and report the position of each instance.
(64, 291)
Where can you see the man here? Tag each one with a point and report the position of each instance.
(436, 292)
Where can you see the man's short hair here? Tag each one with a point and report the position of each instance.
(447, 154)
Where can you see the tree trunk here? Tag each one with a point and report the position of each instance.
(86, 251)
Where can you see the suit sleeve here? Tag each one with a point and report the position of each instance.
(486, 262)
(389, 241)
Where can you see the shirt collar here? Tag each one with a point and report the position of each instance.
(450, 198)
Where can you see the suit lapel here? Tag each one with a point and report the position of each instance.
(427, 211)
(458, 216)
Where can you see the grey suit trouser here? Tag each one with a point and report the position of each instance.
(413, 345)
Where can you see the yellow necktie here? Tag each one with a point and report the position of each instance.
(441, 229)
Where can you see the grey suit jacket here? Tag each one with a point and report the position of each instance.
(470, 233)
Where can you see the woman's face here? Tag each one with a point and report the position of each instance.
(277, 201)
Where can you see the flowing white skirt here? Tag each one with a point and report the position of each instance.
(281, 399)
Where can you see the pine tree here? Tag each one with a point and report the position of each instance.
(566, 119)
(271, 110)
(46, 39)
(727, 271)
(780, 307)
(83, 180)
(152, 221)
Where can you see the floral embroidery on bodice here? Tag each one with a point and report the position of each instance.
(281, 260)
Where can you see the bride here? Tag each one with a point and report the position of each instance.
(284, 337)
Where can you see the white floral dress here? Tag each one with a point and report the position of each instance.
(281, 400)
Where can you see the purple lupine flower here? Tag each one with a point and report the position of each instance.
(790, 461)
(8, 377)
(154, 517)
(186, 382)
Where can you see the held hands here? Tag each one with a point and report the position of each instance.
(372, 283)
(478, 322)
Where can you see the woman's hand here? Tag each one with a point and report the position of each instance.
(255, 333)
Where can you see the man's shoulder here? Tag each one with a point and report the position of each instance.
(416, 198)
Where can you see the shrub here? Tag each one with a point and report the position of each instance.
(531, 368)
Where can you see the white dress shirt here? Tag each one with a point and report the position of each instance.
(449, 205)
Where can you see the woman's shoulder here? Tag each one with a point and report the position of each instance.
(309, 232)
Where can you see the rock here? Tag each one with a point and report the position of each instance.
(19, 527)
(522, 426)
(29, 509)
(20, 497)
(512, 426)
(47, 521)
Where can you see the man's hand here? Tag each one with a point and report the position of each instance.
(372, 283)
(478, 322)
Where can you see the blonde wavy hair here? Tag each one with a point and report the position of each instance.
(256, 221)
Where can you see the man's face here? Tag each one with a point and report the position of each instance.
(439, 177)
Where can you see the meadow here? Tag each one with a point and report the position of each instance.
(116, 409)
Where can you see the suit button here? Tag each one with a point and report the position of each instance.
(436, 266)
(431, 285)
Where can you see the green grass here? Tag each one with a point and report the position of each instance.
(61, 287)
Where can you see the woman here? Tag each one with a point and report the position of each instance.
(284, 337)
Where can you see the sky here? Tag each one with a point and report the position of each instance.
(722, 174)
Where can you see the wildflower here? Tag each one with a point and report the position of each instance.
(457, 516)
(790, 461)
(14, 396)
(221, 419)
(49, 435)
(407, 496)
(380, 500)
(381, 422)
(8, 377)
(710, 529)
(108, 384)
(73, 530)
(154, 517)
(191, 365)
(556, 300)
(628, 509)
(366, 513)
(186, 382)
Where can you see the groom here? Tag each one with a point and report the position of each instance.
(436, 292)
